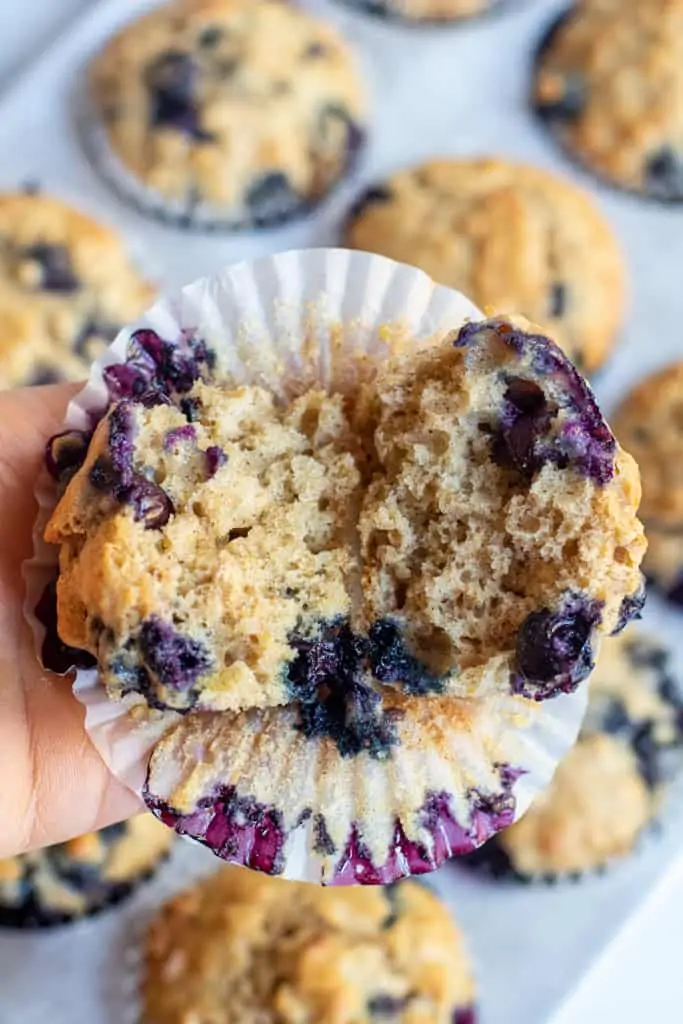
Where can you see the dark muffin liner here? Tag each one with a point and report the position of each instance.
(547, 120)
(278, 205)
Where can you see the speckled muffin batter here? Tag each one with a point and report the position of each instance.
(66, 288)
(428, 10)
(242, 949)
(509, 236)
(611, 784)
(609, 85)
(213, 549)
(650, 423)
(226, 112)
(75, 879)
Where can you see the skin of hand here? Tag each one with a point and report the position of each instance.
(54, 784)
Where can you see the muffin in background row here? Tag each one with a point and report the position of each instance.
(650, 423)
(225, 113)
(611, 785)
(510, 237)
(608, 84)
(66, 288)
(240, 948)
(81, 877)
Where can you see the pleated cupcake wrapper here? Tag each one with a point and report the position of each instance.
(296, 807)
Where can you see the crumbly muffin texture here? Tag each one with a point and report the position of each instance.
(242, 949)
(66, 288)
(609, 85)
(78, 878)
(428, 10)
(510, 237)
(249, 110)
(472, 530)
(610, 786)
(650, 423)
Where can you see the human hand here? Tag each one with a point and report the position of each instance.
(54, 783)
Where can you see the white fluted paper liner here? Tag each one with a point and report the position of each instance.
(286, 322)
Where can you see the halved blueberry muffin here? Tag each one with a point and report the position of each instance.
(225, 113)
(608, 83)
(611, 785)
(241, 949)
(324, 578)
(66, 289)
(73, 880)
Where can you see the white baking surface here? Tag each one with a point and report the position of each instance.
(533, 947)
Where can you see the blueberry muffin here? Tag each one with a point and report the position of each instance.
(219, 549)
(428, 10)
(240, 948)
(66, 288)
(225, 112)
(76, 879)
(650, 423)
(509, 237)
(609, 85)
(610, 786)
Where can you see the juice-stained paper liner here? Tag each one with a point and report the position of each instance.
(281, 802)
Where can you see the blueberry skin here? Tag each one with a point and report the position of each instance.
(524, 436)
(554, 652)
(177, 661)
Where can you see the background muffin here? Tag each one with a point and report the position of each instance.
(226, 112)
(76, 879)
(240, 948)
(610, 786)
(609, 85)
(66, 289)
(650, 422)
(510, 237)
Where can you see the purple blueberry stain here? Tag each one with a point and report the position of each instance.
(554, 651)
(65, 454)
(178, 436)
(174, 660)
(489, 813)
(236, 828)
(55, 655)
(464, 1015)
(215, 458)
